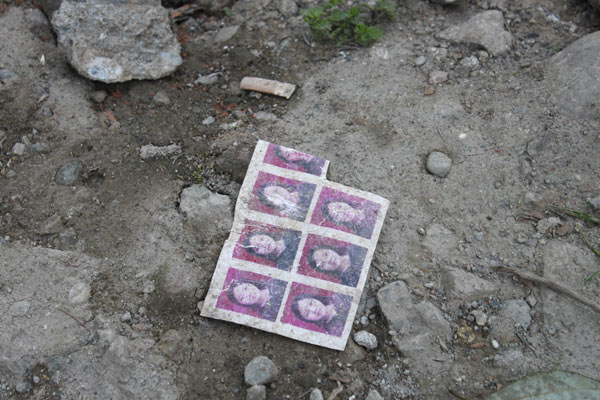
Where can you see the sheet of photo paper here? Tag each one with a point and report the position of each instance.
(299, 252)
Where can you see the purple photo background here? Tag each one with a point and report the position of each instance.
(287, 158)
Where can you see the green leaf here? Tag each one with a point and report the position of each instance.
(337, 15)
(553, 385)
(388, 7)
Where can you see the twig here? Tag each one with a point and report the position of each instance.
(336, 391)
(551, 285)
(308, 43)
(456, 394)
(577, 214)
(72, 316)
(305, 393)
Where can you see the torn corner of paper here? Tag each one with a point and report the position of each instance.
(299, 252)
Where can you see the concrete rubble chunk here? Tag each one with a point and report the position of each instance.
(151, 151)
(366, 339)
(111, 41)
(316, 394)
(572, 74)
(465, 286)
(207, 210)
(226, 33)
(485, 29)
(260, 371)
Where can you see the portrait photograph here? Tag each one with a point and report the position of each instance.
(267, 245)
(280, 196)
(284, 157)
(345, 212)
(316, 309)
(332, 260)
(251, 294)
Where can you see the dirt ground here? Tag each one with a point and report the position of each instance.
(373, 114)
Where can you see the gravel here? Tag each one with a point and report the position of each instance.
(260, 371)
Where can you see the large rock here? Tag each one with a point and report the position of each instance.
(206, 210)
(485, 29)
(117, 41)
(419, 328)
(573, 74)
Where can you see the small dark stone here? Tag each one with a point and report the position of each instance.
(68, 173)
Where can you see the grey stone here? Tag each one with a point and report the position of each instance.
(226, 33)
(316, 394)
(68, 173)
(125, 317)
(485, 29)
(208, 120)
(374, 395)
(594, 202)
(366, 340)
(206, 210)
(572, 76)
(480, 317)
(117, 42)
(41, 147)
(465, 286)
(208, 80)
(68, 237)
(531, 300)
(256, 392)
(438, 164)
(19, 308)
(23, 387)
(80, 293)
(260, 371)
(51, 226)
(287, 7)
(421, 60)
(419, 327)
(265, 116)
(436, 77)
(161, 98)
(98, 96)
(172, 344)
(517, 310)
(18, 149)
(151, 151)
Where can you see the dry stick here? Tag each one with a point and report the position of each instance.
(72, 316)
(552, 285)
(336, 391)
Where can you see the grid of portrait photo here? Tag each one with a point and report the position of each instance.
(299, 251)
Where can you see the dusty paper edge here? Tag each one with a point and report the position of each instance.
(227, 263)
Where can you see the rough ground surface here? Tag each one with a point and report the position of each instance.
(100, 276)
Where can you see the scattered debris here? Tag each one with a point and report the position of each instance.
(268, 86)
(151, 151)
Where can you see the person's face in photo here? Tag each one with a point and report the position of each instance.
(330, 261)
(281, 197)
(293, 155)
(313, 310)
(249, 295)
(343, 212)
(262, 244)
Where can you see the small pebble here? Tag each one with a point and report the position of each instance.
(208, 120)
(421, 231)
(420, 61)
(437, 77)
(126, 317)
(366, 340)
(68, 173)
(495, 344)
(98, 96)
(256, 392)
(438, 164)
(260, 371)
(316, 394)
(18, 149)
(161, 98)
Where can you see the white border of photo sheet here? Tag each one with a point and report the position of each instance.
(243, 213)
